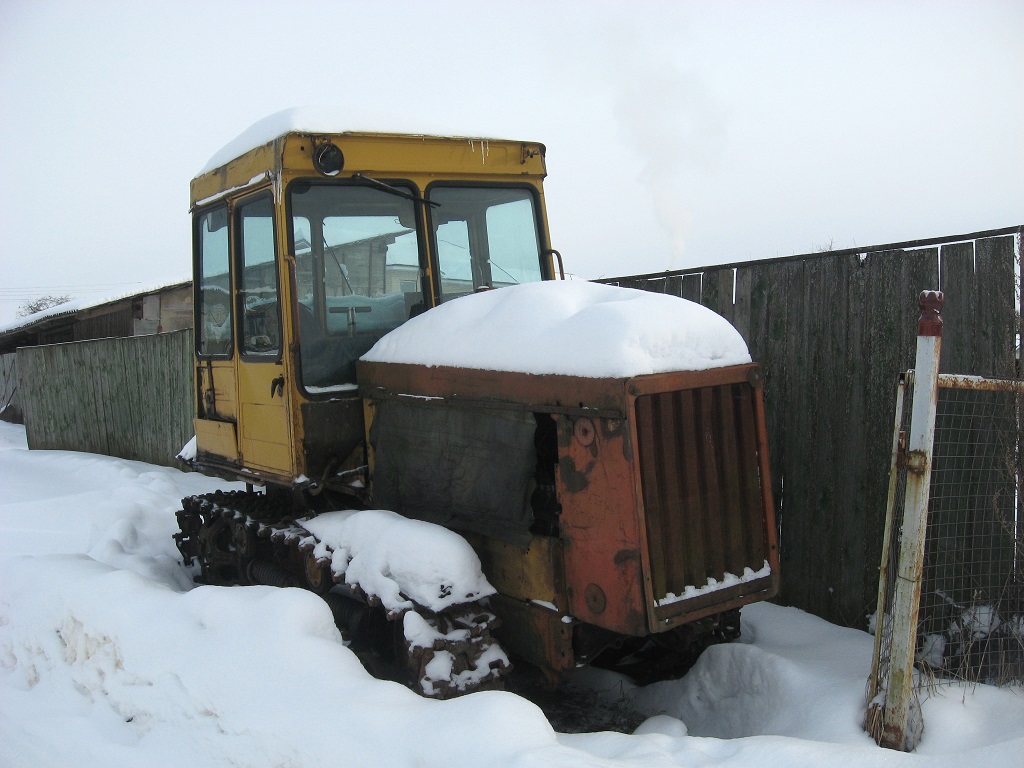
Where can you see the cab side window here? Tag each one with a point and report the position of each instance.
(258, 306)
(213, 287)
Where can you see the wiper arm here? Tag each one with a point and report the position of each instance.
(510, 275)
(393, 190)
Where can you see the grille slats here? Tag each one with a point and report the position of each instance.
(735, 535)
(693, 550)
(701, 489)
(708, 511)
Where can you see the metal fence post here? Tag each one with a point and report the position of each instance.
(901, 728)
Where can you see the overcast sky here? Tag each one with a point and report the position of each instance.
(679, 134)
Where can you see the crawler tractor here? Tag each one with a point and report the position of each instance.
(620, 520)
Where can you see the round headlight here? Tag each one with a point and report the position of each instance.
(328, 159)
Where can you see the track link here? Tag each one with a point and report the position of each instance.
(239, 537)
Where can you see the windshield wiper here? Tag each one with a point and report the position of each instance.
(393, 190)
(510, 275)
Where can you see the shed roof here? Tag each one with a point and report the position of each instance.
(76, 306)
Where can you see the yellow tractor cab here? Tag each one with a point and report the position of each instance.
(309, 246)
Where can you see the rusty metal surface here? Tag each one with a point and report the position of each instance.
(678, 380)
(930, 322)
(663, 483)
(544, 393)
(979, 383)
(503, 389)
(536, 634)
(676, 614)
(600, 527)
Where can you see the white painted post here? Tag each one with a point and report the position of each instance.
(900, 728)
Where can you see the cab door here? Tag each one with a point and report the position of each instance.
(264, 435)
(216, 390)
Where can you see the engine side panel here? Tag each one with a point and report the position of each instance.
(466, 468)
(601, 531)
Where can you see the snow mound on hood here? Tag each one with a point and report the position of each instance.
(572, 328)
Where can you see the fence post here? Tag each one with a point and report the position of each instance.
(901, 728)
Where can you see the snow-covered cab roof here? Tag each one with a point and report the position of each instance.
(304, 142)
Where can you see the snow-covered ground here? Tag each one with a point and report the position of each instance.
(109, 657)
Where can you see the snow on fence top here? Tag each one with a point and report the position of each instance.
(572, 328)
(320, 120)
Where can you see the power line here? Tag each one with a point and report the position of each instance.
(87, 286)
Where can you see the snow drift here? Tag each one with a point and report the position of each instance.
(110, 657)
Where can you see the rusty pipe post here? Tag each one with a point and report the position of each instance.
(901, 730)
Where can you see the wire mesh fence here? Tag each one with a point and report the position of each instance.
(970, 618)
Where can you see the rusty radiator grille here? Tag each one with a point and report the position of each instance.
(701, 485)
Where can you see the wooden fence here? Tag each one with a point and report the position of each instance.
(833, 332)
(10, 404)
(129, 397)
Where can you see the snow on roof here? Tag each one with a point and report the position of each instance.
(323, 120)
(77, 305)
(571, 328)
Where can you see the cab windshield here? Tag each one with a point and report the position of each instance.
(485, 237)
(357, 274)
(357, 260)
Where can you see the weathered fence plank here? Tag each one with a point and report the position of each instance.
(691, 288)
(769, 300)
(128, 397)
(862, 499)
(816, 508)
(996, 300)
(958, 280)
(10, 402)
(741, 304)
(716, 291)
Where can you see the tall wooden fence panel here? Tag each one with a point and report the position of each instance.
(833, 332)
(129, 397)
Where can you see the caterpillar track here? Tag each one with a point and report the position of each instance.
(247, 538)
